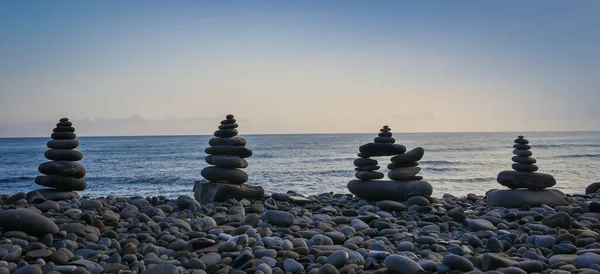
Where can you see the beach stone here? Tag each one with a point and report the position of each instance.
(522, 153)
(365, 162)
(64, 123)
(381, 149)
(560, 219)
(414, 155)
(532, 181)
(63, 144)
(67, 129)
(367, 168)
(403, 173)
(524, 167)
(228, 175)
(586, 260)
(226, 161)
(393, 166)
(232, 141)
(458, 262)
(338, 258)
(162, 269)
(228, 121)
(278, 218)
(492, 261)
(61, 183)
(521, 140)
(328, 269)
(389, 190)
(229, 150)
(292, 266)
(27, 221)
(391, 205)
(56, 195)
(217, 192)
(399, 264)
(369, 175)
(63, 155)
(417, 200)
(480, 224)
(226, 133)
(516, 198)
(385, 134)
(592, 188)
(63, 135)
(48, 205)
(63, 168)
(228, 126)
(380, 139)
(29, 269)
(524, 160)
(521, 147)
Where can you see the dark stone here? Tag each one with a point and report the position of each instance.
(56, 195)
(63, 144)
(229, 116)
(560, 219)
(385, 134)
(63, 155)
(226, 133)
(228, 126)
(229, 150)
(524, 160)
(522, 153)
(376, 149)
(369, 175)
(414, 155)
(63, 135)
(592, 188)
(461, 263)
(524, 167)
(389, 190)
(492, 261)
(64, 124)
(233, 141)
(218, 192)
(367, 168)
(516, 198)
(365, 162)
(403, 173)
(63, 129)
(228, 121)
(27, 221)
(226, 161)
(529, 180)
(61, 183)
(62, 120)
(522, 147)
(383, 140)
(521, 141)
(63, 168)
(397, 165)
(229, 175)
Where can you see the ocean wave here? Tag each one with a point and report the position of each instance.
(441, 169)
(457, 149)
(16, 179)
(565, 145)
(579, 156)
(467, 180)
(439, 163)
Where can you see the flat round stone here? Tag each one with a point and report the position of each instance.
(522, 153)
(56, 195)
(63, 129)
(228, 121)
(229, 116)
(522, 147)
(63, 135)
(516, 198)
(63, 155)
(62, 120)
(225, 175)
(232, 141)
(27, 221)
(389, 190)
(227, 161)
(63, 168)
(524, 160)
(525, 167)
(384, 140)
(365, 162)
(403, 173)
(369, 175)
(529, 180)
(225, 133)
(367, 168)
(218, 192)
(411, 156)
(64, 124)
(521, 141)
(376, 149)
(228, 126)
(229, 150)
(385, 134)
(61, 183)
(397, 165)
(63, 144)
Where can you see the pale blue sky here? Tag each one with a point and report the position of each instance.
(177, 67)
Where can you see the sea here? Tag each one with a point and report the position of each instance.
(454, 163)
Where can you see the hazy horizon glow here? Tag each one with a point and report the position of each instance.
(164, 68)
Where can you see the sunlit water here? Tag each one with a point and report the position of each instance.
(456, 163)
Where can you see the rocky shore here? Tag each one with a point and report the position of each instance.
(289, 233)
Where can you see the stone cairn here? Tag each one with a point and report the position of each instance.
(404, 183)
(527, 187)
(62, 173)
(224, 178)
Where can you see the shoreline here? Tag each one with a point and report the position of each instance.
(325, 233)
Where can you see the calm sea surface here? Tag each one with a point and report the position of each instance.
(456, 163)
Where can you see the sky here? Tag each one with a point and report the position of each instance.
(178, 67)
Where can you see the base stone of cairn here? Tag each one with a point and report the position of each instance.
(527, 187)
(404, 181)
(224, 178)
(62, 174)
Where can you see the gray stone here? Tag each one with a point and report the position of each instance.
(338, 258)
(278, 218)
(228, 121)
(381, 149)
(162, 269)
(291, 265)
(458, 262)
(515, 198)
(232, 141)
(417, 200)
(492, 261)
(228, 126)
(226, 161)
(56, 195)
(525, 167)
(369, 175)
(399, 264)
(560, 219)
(391, 205)
(592, 188)
(63, 168)
(218, 192)
(367, 168)
(29, 269)
(226, 133)
(229, 150)
(480, 224)
(389, 190)
(586, 260)
(60, 129)
(365, 162)
(63, 135)
(414, 155)
(63, 144)
(521, 147)
(224, 175)
(521, 140)
(524, 160)
(380, 139)
(327, 269)
(393, 166)
(403, 173)
(61, 183)
(522, 153)
(63, 155)
(529, 180)
(27, 221)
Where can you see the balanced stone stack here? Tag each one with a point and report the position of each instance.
(527, 187)
(224, 178)
(62, 174)
(403, 171)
